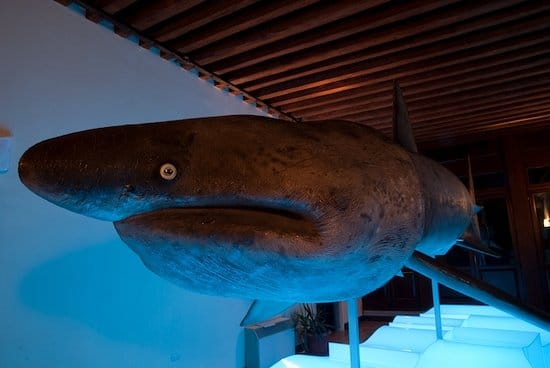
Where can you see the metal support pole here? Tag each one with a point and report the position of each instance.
(353, 326)
(437, 310)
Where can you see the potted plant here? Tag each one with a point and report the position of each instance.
(312, 330)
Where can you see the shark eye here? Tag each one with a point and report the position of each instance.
(168, 171)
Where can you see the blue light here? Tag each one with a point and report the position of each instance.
(460, 355)
(475, 337)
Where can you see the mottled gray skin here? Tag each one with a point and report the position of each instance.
(260, 208)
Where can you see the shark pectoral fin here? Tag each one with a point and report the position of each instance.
(470, 240)
(402, 130)
(477, 289)
(262, 310)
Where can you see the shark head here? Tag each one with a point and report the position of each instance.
(95, 173)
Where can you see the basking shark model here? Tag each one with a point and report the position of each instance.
(259, 208)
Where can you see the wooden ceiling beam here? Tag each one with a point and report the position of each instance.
(420, 117)
(500, 60)
(457, 137)
(144, 14)
(438, 52)
(448, 136)
(338, 98)
(181, 39)
(421, 65)
(292, 24)
(201, 15)
(425, 82)
(111, 6)
(433, 93)
(382, 92)
(511, 116)
(440, 141)
(484, 126)
(232, 55)
(518, 107)
(422, 109)
(417, 31)
(374, 102)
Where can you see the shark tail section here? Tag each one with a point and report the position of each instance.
(262, 310)
(477, 290)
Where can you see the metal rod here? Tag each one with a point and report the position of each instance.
(477, 289)
(437, 310)
(353, 326)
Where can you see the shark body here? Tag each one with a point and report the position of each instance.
(258, 208)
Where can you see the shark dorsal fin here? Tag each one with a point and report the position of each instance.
(402, 130)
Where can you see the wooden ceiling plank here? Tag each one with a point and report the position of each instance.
(301, 97)
(111, 6)
(145, 14)
(432, 93)
(464, 73)
(536, 87)
(458, 137)
(496, 102)
(303, 30)
(343, 107)
(373, 102)
(525, 112)
(449, 103)
(188, 41)
(469, 54)
(517, 106)
(513, 80)
(202, 14)
(381, 41)
(290, 27)
(414, 96)
(364, 91)
(378, 91)
(487, 124)
(423, 109)
(420, 117)
(358, 71)
(460, 129)
(373, 52)
(93, 15)
(317, 102)
(432, 72)
(443, 140)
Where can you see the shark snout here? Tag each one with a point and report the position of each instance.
(63, 173)
(37, 171)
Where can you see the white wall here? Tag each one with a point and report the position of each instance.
(71, 293)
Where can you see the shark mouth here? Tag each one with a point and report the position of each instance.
(254, 227)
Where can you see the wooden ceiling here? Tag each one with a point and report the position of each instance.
(466, 67)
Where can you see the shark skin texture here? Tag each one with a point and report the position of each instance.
(259, 208)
